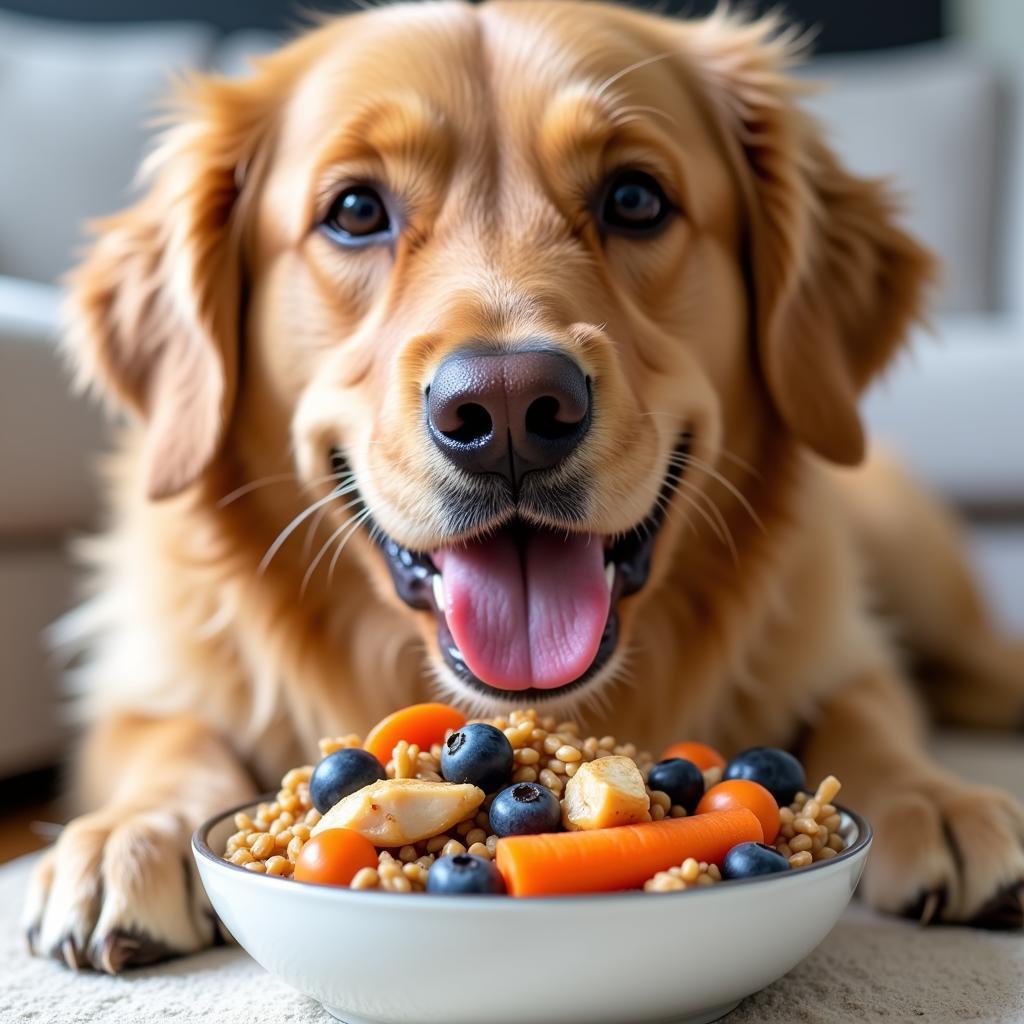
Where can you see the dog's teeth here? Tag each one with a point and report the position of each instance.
(609, 575)
(438, 584)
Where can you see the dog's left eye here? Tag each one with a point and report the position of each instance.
(633, 204)
(357, 216)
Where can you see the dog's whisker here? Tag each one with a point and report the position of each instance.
(715, 520)
(356, 522)
(292, 526)
(635, 66)
(254, 485)
(311, 532)
(267, 481)
(640, 109)
(624, 122)
(743, 464)
(691, 502)
(340, 492)
(725, 453)
(325, 547)
(642, 530)
(664, 503)
(345, 482)
(693, 460)
(716, 513)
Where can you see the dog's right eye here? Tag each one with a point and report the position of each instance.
(633, 204)
(358, 216)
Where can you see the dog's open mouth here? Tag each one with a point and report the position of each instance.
(529, 610)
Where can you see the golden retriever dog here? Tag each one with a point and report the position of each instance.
(509, 353)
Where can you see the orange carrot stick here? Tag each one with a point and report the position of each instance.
(607, 859)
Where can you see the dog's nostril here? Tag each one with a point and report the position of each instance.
(475, 426)
(542, 419)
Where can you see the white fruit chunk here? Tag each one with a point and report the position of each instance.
(604, 793)
(396, 812)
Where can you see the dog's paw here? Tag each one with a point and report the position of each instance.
(952, 853)
(116, 891)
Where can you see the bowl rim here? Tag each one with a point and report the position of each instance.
(343, 894)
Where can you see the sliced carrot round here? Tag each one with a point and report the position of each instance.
(334, 857)
(700, 754)
(422, 724)
(727, 796)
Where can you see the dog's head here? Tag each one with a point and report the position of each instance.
(510, 281)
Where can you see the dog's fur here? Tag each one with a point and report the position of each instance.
(786, 596)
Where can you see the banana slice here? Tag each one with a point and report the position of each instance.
(396, 812)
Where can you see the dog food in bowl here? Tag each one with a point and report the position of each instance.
(528, 806)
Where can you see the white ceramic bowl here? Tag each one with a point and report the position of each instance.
(383, 958)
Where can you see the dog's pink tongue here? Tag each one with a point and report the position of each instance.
(526, 613)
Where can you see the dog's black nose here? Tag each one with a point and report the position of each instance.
(508, 412)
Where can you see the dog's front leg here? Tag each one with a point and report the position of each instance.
(944, 849)
(119, 888)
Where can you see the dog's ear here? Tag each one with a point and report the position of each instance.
(835, 282)
(153, 310)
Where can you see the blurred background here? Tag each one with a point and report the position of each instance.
(928, 92)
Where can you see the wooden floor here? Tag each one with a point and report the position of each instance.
(29, 812)
(25, 829)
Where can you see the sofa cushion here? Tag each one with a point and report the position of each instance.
(930, 118)
(952, 407)
(49, 439)
(1010, 277)
(74, 104)
(36, 586)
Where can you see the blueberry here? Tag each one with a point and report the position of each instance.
(464, 873)
(524, 810)
(341, 773)
(778, 771)
(748, 860)
(680, 780)
(478, 754)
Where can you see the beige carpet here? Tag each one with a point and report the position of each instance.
(870, 968)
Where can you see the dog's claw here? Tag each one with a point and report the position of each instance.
(1004, 911)
(112, 953)
(927, 907)
(930, 907)
(120, 949)
(69, 954)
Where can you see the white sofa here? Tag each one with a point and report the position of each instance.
(74, 106)
(948, 129)
(73, 103)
